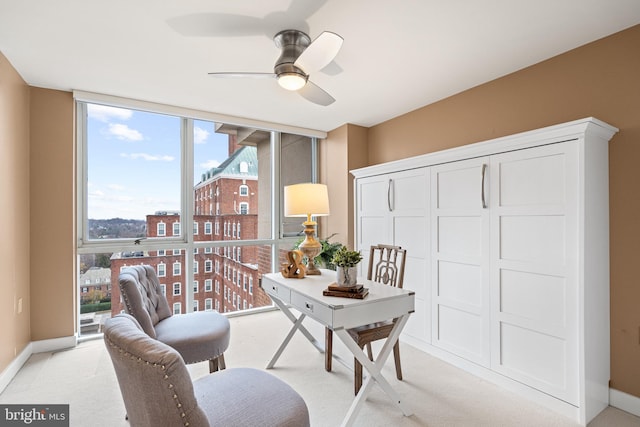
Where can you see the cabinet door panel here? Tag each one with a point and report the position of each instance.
(459, 187)
(373, 230)
(411, 234)
(459, 260)
(393, 209)
(372, 195)
(540, 298)
(534, 256)
(418, 326)
(460, 283)
(373, 216)
(539, 357)
(535, 181)
(459, 236)
(409, 221)
(408, 191)
(539, 238)
(460, 332)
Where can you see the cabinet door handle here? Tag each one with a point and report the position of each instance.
(484, 170)
(389, 195)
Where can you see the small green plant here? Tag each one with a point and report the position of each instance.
(323, 260)
(346, 258)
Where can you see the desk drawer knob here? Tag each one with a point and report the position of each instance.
(309, 306)
(275, 288)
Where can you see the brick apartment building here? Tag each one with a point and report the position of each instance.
(225, 209)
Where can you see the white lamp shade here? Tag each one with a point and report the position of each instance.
(306, 199)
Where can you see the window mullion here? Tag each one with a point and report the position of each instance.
(276, 210)
(82, 228)
(187, 208)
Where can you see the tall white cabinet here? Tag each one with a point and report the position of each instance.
(509, 256)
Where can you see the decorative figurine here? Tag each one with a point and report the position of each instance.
(294, 269)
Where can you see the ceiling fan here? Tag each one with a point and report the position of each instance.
(299, 58)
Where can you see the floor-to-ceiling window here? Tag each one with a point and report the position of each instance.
(197, 199)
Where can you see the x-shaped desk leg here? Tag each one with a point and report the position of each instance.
(297, 325)
(374, 369)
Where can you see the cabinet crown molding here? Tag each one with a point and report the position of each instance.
(582, 128)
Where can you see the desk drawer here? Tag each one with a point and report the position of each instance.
(311, 308)
(281, 292)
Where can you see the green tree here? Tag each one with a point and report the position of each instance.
(103, 260)
(94, 296)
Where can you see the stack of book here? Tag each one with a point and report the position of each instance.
(355, 291)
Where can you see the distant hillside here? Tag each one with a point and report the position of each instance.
(117, 228)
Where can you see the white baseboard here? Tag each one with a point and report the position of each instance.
(34, 347)
(54, 344)
(624, 401)
(10, 371)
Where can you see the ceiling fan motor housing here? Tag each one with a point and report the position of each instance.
(292, 43)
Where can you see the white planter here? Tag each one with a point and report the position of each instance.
(346, 276)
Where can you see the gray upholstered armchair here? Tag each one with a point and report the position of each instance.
(158, 391)
(198, 336)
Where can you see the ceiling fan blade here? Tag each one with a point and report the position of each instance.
(315, 94)
(320, 52)
(232, 75)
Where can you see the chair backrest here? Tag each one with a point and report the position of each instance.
(386, 264)
(154, 381)
(142, 296)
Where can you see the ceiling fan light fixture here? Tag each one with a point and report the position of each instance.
(298, 58)
(291, 81)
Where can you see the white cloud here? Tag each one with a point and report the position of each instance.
(116, 187)
(105, 113)
(147, 157)
(200, 135)
(210, 164)
(121, 131)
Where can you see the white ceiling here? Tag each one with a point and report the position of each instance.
(397, 55)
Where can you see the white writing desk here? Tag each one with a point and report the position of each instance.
(339, 314)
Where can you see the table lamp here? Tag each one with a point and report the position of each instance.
(305, 200)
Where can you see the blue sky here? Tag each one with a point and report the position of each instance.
(134, 161)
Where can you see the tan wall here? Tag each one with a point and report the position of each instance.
(357, 156)
(52, 214)
(344, 149)
(14, 215)
(36, 190)
(333, 157)
(601, 79)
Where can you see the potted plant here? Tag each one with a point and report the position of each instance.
(346, 262)
(323, 260)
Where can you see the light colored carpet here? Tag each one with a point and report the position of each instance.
(438, 393)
